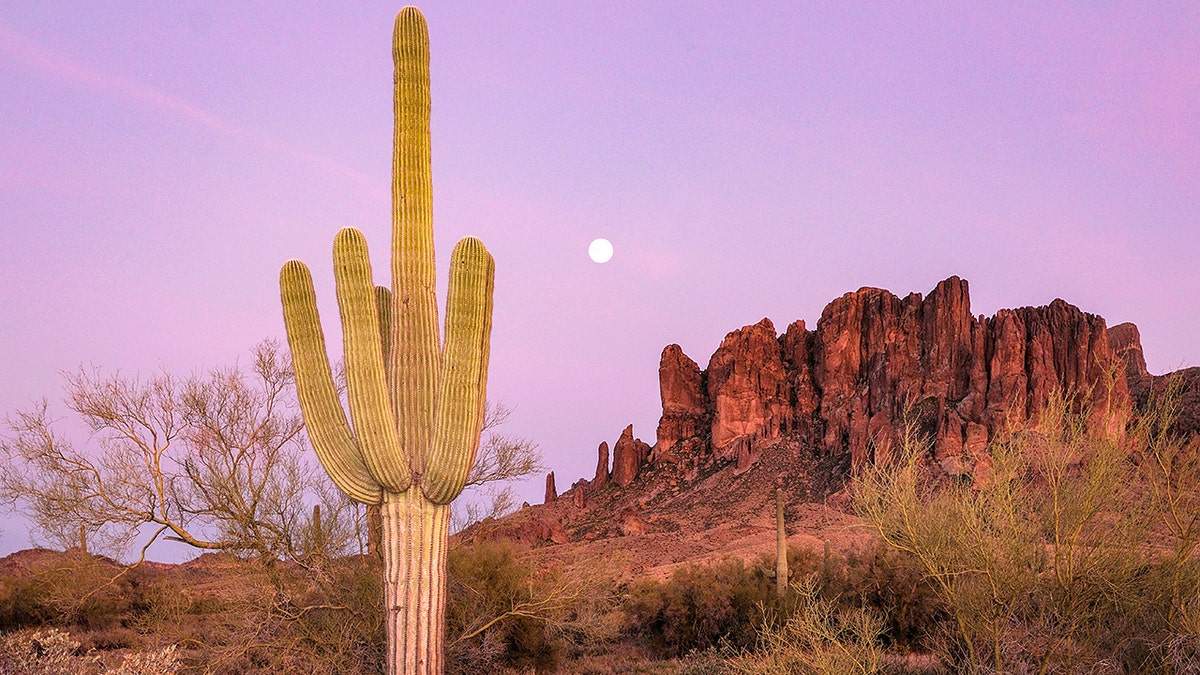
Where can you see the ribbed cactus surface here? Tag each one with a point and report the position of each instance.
(416, 401)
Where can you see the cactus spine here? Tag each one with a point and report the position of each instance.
(416, 404)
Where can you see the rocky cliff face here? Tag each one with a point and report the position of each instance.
(805, 407)
(1126, 343)
(876, 362)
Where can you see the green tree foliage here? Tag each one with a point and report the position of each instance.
(1076, 550)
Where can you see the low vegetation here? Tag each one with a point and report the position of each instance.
(1075, 553)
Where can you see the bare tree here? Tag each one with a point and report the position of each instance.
(215, 461)
(502, 460)
(218, 461)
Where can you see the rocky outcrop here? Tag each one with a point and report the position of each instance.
(1184, 384)
(523, 527)
(629, 454)
(601, 478)
(796, 346)
(749, 391)
(1126, 343)
(551, 492)
(680, 387)
(877, 362)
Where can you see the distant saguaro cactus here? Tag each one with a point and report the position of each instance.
(416, 404)
(781, 561)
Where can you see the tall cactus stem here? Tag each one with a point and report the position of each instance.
(781, 561)
(415, 326)
(416, 406)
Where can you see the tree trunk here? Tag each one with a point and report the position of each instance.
(374, 530)
(415, 534)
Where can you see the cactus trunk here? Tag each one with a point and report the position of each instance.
(416, 402)
(781, 561)
(414, 553)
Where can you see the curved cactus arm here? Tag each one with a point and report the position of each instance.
(383, 307)
(414, 365)
(366, 383)
(323, 415)
(464, 371)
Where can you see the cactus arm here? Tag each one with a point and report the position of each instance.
(366, 383)
(464, 371)
(323, 415)
(415, 342)
(383, 307)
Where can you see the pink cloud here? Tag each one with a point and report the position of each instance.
(60, 66)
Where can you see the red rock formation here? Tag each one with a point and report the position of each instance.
(875, 358)
(867, 365)
(601, 478)
(632, 524)
(750, 390)
(1126, 343)
(797, 347)
(1064, 350)
(629, 454)
(551, 492)
(525, 528)
(683, 402)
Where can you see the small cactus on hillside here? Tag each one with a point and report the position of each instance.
(416, 402)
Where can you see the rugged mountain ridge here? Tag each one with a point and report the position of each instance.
(802, 408)
(876, 361)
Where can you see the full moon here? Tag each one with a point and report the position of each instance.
(600, 250)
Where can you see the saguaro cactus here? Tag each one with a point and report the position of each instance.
(416, 405)
(781, 561)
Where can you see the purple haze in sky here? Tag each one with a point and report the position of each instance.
(160, 161)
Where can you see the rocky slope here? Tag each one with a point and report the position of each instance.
(802, 409)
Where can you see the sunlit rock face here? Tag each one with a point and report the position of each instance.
(629, 454)
(749, 392)
(803, 408)
(1126, 343)
(681, 390)
(876, 362)
(601, 477)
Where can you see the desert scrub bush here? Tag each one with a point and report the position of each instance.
(889, 582)
(505, 610)
(42, 652)
(274, 616)
(701, 606)
(54, 652)
(1043, 566)
(818, 638)
(159, 662)
(67, 590)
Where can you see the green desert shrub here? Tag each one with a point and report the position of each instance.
(818, 637)
(700, 607)
(1076, 552)
(889, 583)
(493, 615)
(508, 611)
(67, 591)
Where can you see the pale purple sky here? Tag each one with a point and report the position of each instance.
(160, 161)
